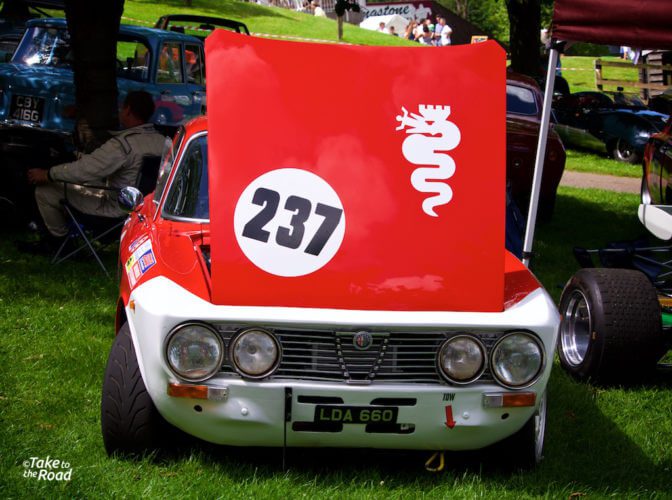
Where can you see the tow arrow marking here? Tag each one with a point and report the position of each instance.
(450, 423)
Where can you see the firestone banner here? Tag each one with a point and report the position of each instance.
(356, 177)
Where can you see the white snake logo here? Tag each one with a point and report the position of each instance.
(422, 149)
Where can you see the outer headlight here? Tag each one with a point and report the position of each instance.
(194, 352)
(462, 359)
(517, 359)
(255, 353)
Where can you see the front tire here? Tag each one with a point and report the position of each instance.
(611, 326)
(130, 422)
(524, 449)
(624, 151)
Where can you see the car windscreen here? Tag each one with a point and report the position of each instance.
(188, 194)
(520, 101)
(44, 46)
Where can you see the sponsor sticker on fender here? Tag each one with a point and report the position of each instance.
(372, 178)
(141, 260)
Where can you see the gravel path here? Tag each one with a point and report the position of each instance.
(598, 181)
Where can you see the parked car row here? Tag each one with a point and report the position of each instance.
(619, 127)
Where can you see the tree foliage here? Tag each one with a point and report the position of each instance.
(516, 22)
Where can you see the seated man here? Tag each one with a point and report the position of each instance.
(114, 165)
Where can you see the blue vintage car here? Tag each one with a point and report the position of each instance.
(37, 94)
(620, 127)
(37, 88)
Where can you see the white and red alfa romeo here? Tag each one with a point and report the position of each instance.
(323, 263)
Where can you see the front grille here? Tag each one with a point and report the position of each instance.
(331, 356)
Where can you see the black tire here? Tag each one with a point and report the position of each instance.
(524, 449)
(611, 326)
(130, 422)
(623, 151)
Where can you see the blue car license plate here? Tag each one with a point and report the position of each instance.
(356, 414)
(27, 108)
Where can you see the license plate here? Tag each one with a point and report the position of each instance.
(356, 414)
(27, 108)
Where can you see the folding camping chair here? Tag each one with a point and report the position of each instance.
(89, 229)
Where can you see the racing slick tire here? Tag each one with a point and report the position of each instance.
(131, 424)
(610, 328)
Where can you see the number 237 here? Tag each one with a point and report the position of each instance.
(302, 210)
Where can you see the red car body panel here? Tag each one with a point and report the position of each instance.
(393, 255)
(443, 270)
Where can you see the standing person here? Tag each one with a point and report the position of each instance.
(426, 37)
(381, 27)
(114, 165)
(419, 30)
(410, 30)
(446, 31)
(438, 27)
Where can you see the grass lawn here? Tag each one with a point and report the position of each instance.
(259, 20)
(579, 71)
(582, 161)
(57, 328)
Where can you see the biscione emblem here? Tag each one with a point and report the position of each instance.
(362, 341)
(430, 136)
(289, 222)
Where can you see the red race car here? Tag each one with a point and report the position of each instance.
(301, 281)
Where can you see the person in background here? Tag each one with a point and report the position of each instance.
(426, 37)
(437, 31)
(446, 31)
(410, 30)
(392, 32)
(114, 165)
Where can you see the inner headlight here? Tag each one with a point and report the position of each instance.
(517, 359)
(194, 352)
(462, 359)
(255, 353)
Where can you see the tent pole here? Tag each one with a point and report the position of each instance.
(541, 153)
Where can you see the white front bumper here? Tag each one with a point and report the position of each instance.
(253, 413)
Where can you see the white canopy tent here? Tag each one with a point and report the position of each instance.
(395, 20)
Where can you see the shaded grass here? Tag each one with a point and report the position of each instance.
(581, 161)
(57, 328)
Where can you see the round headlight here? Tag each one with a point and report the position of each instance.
(255, 353)
(194, 352)
(517, 359)
(462, 359)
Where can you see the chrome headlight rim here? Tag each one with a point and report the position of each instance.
(535, 377)
(232, 357)
(481, 370)
(220, 358)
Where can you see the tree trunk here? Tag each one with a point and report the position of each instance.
(93, 28)
(340, 28)
(525, 23)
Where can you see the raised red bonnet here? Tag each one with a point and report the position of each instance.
(356, 177)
